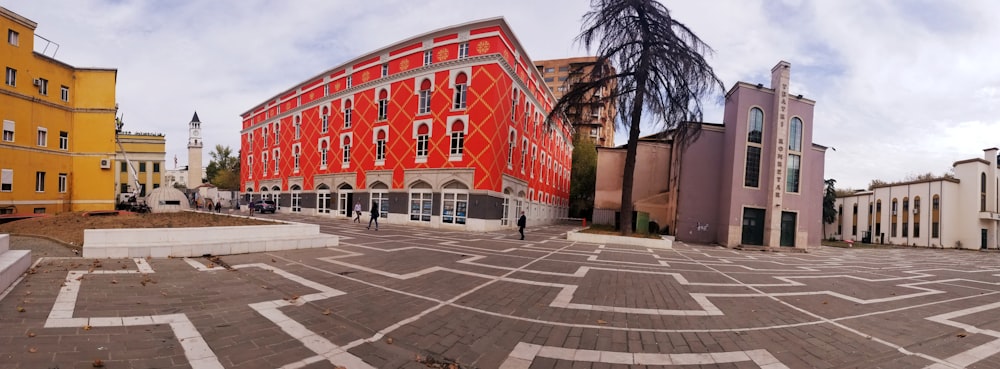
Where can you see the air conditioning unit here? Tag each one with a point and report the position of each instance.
(105, 163)
(37, 82)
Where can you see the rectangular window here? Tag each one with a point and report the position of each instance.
(383, 109)
(751, 175)
(124, 167)
(64, 93)
(524, 154)
(6, 180)
(347, 118)
(43, 137)
(424, 102)
(463, 50)
(11, 77)
(563, 68)
(792, 183)
(510, 153)
(428, 57)
(63, 140)
(457, 143)
(39, 181)
(43, 86)
(348, 83)
(8, 131)
(550, 79)
(421, 204)
(347, 155)
(934, 230)
(12, 37)
(325, 125)
(277, 161)
(298, 131)
(550, 70)
(142, 167)
(295, 160)
(323, 157)
(156, 167)
(380, 151)
(62, 182)
(422, 149)
(385, 69)
(460, 93)
(513, 104)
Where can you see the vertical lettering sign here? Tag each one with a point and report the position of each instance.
(780, 133)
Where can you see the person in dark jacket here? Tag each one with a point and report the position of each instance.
(374, 217)
(521, 222)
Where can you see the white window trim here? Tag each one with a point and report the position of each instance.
(277, 161)
(7, 177)
(375, 132)
(345, 162)
(38, 135)
(343, 109)
(319, 148)
(62, 182)
(430, 133)
(465, 134)
(8, 125)
(511, 147)
(61, 146)
(388, 98)
(296, 157)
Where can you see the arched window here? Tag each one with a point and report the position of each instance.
(347, 151)
(461, 82)
(916, 216)
(298, 127)
(457, 138)
(423, 140)
(935, 216)
(380, 138)
(325, 120)
(383, 105)
(424, 100)
(751, 170)
(878, 218)
(296, 198)
(795, 135)
(982, 192)
(421, 202)
(906, 217)
(893, 225)
(756, 126)
(511, 143)
(324, 149)
(295, 157)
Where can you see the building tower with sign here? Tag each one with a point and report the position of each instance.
(194, 152)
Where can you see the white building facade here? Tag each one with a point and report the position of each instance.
(952, 212)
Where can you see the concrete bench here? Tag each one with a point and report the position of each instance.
(198, 241)
(13, 263)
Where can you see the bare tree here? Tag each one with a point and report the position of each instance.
(659, 68)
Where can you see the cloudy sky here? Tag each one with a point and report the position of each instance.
(902, 87)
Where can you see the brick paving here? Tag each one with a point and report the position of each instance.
(403, 296)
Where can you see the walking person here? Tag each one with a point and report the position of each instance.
(521, 222)
(250, 206)
(357, 212)
(374, 217)
(218, 207)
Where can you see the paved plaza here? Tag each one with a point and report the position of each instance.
(408, 297)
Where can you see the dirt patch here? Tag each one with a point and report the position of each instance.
(68, 227)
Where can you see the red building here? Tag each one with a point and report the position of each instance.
(445, 129)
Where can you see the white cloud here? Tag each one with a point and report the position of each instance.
(901, 87)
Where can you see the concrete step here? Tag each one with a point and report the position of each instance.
(4, 243)
(12, 264)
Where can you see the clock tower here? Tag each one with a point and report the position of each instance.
(194, 152)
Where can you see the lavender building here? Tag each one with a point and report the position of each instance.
(755, 180)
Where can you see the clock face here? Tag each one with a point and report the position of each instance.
(194, 132)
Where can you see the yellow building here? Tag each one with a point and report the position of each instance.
(58, 139)
(147, 154)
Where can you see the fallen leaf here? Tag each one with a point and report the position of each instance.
(274, 261)
(20, 309)
(824, 302)
(327, 312)
(33, 350)
(114, 281)
(961, 335)
(98, 363)
(86, 327)
(211, 265)
(388, 340)
(601, 321)
(31, 334)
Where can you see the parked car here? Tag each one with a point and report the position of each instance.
(263, 206)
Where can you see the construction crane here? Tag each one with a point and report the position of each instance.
(133, 204)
